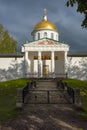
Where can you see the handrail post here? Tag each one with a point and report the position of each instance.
(77, 100)
(19, 102)
(48, 98)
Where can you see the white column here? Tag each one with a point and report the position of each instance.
(39, 64)
(26, 55)
(26, 64)
(53, 64)
(66, 63)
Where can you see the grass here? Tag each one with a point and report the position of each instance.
(8, 92)
(83, 92)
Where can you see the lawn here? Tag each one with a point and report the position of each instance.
(83, 91)
(8, 94)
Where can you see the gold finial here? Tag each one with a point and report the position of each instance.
(45, 16)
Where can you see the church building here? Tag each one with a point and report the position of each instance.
(44, 57)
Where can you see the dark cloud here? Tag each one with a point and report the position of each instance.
(20, 17)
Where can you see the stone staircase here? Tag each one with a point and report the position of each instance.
(46, 85)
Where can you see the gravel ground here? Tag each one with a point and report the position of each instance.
(46, 117)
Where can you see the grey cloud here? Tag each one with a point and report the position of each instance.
(20, 17)
(75, 38)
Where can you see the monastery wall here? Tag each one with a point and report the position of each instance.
(77, 67)
(11, 68)
(14, 67)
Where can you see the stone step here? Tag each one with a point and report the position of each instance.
(46, 85)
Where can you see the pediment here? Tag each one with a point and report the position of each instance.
(45, 42)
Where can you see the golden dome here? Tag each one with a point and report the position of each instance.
(45, 24)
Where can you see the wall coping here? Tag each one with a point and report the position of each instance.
(16, 54)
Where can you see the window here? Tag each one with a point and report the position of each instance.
(45, 34)
(38, 36)
(56, 57)
(52, 36)
(35, 57)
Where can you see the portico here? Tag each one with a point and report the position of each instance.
(45, 60)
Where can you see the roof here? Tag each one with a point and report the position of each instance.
(45, 24)
(16, 54)
(77, 53)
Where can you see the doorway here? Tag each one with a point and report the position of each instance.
(45, 70)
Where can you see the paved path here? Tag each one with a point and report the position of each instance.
(46, 116)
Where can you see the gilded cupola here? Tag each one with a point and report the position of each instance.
(45, 29)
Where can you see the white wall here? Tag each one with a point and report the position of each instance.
(77, 67)
(59, 64)
(11, 68)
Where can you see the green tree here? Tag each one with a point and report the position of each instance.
(7, 43)
(81, 7)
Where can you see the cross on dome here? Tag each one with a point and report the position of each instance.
(45, 15)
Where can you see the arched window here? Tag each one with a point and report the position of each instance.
(52, 36)
(38, 36)
(45, 34)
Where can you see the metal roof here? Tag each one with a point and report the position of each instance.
(77, 54)
(16, 54)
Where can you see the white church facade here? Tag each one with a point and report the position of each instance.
(44, 57)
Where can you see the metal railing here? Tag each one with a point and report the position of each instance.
(69, 90)
(27, 88)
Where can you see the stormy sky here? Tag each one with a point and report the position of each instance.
(20, 16)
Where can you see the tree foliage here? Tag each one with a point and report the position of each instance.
(7, 43)
(81, 7)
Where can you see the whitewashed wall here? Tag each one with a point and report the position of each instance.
(11, 68)
(77, 67)
(59, 64)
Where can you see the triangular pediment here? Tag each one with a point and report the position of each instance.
(44, 42)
